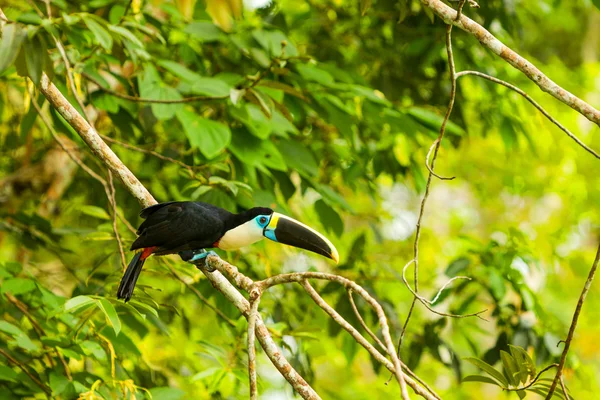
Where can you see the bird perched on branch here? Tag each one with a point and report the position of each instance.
(189, 228)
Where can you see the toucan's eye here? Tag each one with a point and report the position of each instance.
(262, 220)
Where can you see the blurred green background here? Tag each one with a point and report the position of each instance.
(325, 111)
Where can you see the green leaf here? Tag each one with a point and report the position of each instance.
(21, 338)
(480, 378)
(126, 34)
(253, 151)
(24, 342)
(253, 118)
(78, 302)
(17, 286)
(111, 314)
(94, 211)
(596, 3)
(35, 52)
(179, 70)
(457, 266)
(94, 349)
(7, 374)
(271, 41)
(166, 393)
(12, 38)
(434, 121)
(11, 329)
(330, 219)
(314, 74)
(299, 158)
(213, 87)
(331, 196)
(210, 137)
(106, 102)
(164, 111)
(204, 30)
(58, 383)
(524, 362)
(497, 375)
(102, 35)
(511, 370)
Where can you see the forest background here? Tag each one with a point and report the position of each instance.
(325, 111)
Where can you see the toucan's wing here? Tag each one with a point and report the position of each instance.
(146, 212)
(178, 226)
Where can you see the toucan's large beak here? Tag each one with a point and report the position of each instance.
(286, 230)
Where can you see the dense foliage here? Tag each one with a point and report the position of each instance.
(324, 110)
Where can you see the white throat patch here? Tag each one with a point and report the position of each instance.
(241, 236)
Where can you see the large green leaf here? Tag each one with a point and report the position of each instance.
(330, 219)
(298, 157)
(35, 57)
(210, 137)
(205, 31)
(213, 87)
(12, 38)
(254, 119)
(480, 378)
(17, 286)
(102, 35)
(315, 74)
(166, 393)
(256, 152)
(78, 302)
(497, 375)
(111, 314)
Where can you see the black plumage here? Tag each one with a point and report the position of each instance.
(179, 226)
(185, 225)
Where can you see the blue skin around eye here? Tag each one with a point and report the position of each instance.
(268, 233)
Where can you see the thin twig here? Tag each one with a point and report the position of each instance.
(443, 178)
(564, 388)
(357, 336)
(461, 4)
(10, 358)
(254, 302)
(584, 292)
(143, 100)
(362, 321)
(110, 193)
(198, 294)
(436, 148)
(427, 303)
(448, 14)
(155, 154)
(534, 103)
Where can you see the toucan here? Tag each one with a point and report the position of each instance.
(188, 228)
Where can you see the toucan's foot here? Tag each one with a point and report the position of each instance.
(198, 258)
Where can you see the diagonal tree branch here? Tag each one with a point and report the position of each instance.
(449, 15)
(135, 187)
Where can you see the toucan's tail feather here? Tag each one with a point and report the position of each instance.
(131, 276)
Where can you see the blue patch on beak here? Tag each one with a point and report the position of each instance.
(270, 234)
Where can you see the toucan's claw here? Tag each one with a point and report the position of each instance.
(198, 258)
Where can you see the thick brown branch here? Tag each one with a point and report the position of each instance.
(93, 140)
(449, 15)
